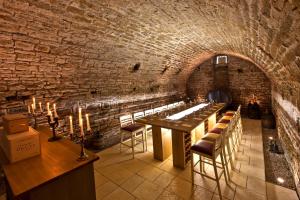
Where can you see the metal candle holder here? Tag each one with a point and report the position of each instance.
(53, 125)
(83, 156)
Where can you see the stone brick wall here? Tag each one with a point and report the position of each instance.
(68, 51)
(245, 79)
(104, 112)
(286, 107)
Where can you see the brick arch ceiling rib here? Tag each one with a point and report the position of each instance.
(169, 36)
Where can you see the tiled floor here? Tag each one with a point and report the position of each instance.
(118, 177)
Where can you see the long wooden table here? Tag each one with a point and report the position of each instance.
(55, 174)
(176, 136)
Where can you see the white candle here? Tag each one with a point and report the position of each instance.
(33, 102)
(29, 109)
(80, 117)
(48, 108)
(54, 110)
(51, 117)
(71, 125)
(40, 104)
(81, 129)
(32, 106)
(88, 127)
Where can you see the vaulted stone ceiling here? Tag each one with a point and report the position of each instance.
(85, 45)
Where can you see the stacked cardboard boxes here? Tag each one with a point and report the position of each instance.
(17, 139)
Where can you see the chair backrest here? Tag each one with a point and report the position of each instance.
(138, 115)
(181, 103)
(157, 110)
(164, 108)
(148, 112)
(239, 109)
(126, 120)
(170, 106)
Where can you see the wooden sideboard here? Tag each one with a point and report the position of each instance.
(55, 174)
(176, 136)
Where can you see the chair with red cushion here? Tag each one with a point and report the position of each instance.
(208, 149)
(131, 129)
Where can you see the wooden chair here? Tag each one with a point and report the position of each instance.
(170, 106)
(139, 115)
(164, 108)
(148, 127)
(157, 110)
(148, 112)
(208, 152)
(128, 127)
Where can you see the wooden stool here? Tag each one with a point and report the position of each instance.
(131, 129)
(209, 150)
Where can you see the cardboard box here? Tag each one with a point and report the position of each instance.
(22, 145)
(15, 123)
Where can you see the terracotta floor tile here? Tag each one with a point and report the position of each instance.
(181, 188)
(227, 191)
(99, 179)
(205, 182)
(256, 185)
(201, 193)
(244, 194)
(168, 195)
(164, 179)
(132, 183)
(150, 173)
(105, 190)
(276, 192)
(168, 167)
(119, 194)
(147, 191)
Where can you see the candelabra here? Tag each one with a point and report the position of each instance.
(53, 124)
(83, 156)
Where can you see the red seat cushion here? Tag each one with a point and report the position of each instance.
(229, 114)
(216, 130)
(224, 121)
(203, 146)
(132, 127)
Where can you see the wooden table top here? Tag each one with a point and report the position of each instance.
(186, 124)
(56, 159)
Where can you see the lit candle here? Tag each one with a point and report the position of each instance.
(29, 109)
(32, 106)
(40, 104)
(80, 117)
(71, 125)
(54, 110)
(33, 102)
(88, 127)
(51, 117)
(81, 130)
(48, 108)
